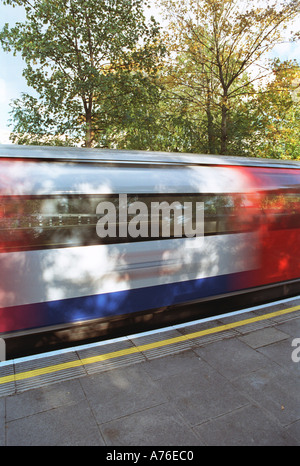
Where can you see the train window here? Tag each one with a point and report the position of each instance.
(38, 222)
(281, 209)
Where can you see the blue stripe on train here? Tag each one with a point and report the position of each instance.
(121, 302)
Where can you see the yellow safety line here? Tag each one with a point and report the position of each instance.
(138, 349)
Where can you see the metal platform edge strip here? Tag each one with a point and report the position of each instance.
(140, 348)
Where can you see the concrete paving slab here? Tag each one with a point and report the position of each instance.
(231, 429)
(275, 391)
(214, 398)
(281, 353)
(157, 426)
(291, 327)
(62, 426)
(121, 392)
(188, 384)
(294, 431)
(263, 337)
(232, 357)
(42, 399)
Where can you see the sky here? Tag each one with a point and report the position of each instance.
(12, 83)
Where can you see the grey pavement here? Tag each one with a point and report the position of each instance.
(235, 387)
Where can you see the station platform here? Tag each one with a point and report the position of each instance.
(234, 380)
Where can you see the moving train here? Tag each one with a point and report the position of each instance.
(87, 235)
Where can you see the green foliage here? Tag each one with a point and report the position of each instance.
(105, 77)
(217, 42)
(76, 52)
(277, 113)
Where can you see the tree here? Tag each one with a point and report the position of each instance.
(277, 113)
(194, 90)
(223, 40)
(128, 119)
(80, 55)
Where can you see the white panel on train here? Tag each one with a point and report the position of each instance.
(53, 274)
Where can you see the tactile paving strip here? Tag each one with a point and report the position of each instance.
(10, 387)
(49, 376)
(112, 363)
(206, 339)
(160, 351)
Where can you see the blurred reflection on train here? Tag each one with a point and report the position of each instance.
(56, 270)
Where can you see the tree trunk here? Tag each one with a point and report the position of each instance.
(88, 134)
(224, 128)
(210, 131)
(88, 120)
(210, 128)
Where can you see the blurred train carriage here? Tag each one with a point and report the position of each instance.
(56, 272)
